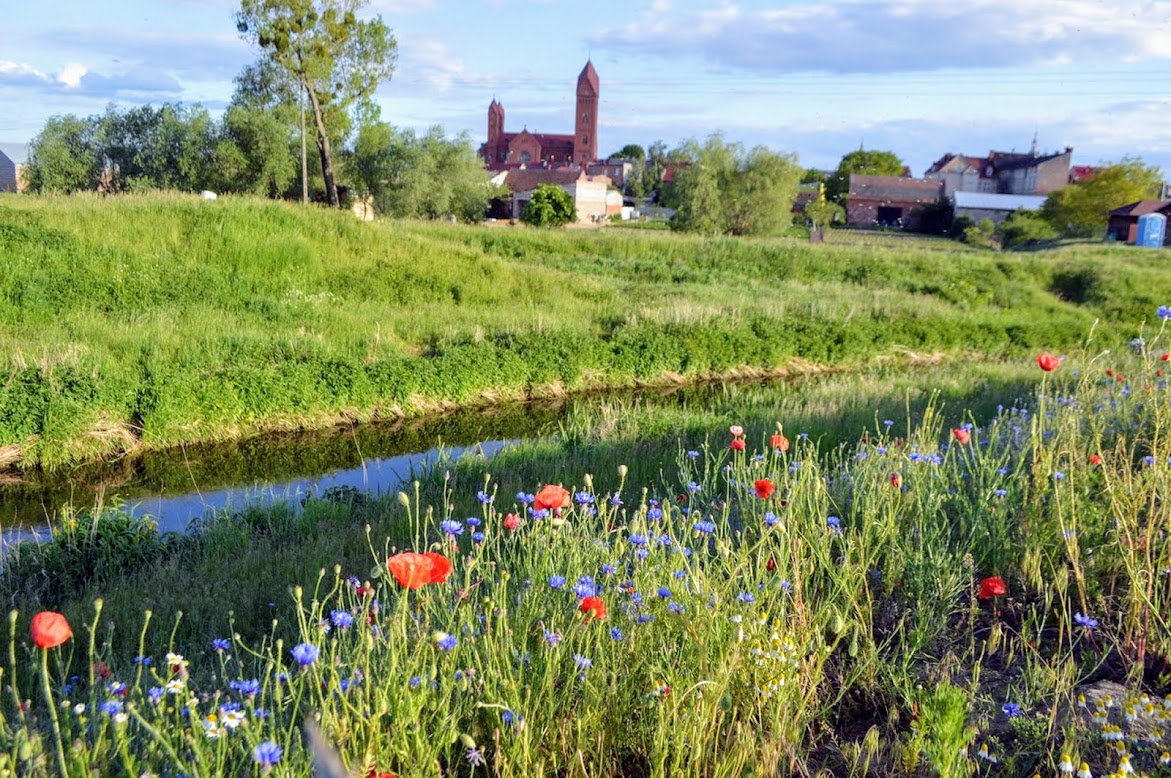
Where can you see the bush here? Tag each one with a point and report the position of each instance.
(550, 206)
(982, 235)
(1024, 228)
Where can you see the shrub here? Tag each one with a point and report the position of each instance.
(550, 206)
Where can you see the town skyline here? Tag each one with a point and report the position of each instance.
(817, 80)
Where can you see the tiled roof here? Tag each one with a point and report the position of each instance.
(893, 188)
(1143, 207)
(525, 180)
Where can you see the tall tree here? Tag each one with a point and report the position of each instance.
(1082, 210)
(64, 157)
(862, 162)
(336, 57)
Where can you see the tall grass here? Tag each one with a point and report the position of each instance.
(934, 596)
(157, 320)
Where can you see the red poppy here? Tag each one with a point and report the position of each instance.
(440, 567)
(511, 521)
(737, 444)
(551, 497)
(1048, 362)
(1119, 377)
(896, 480)
(779, 442)
(593, 606)
(1095, 459)
(49, 629)
(1166, 357)
(1110, 372)
(101, 670)
(770, 565)
(410, 569)
(764, 488)
(961, 435)
(992, 587)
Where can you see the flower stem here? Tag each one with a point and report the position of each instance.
(64, 770)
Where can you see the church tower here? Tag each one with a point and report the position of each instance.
(495, 129)
(585, 136)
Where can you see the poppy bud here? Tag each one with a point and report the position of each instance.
(1048, 362)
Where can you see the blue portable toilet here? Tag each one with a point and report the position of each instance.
(1151, 229)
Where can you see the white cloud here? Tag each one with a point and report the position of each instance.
(71, 74)
(855, 36)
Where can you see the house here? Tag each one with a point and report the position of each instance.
(1123, 224)
(589, 193)
(617, 170)
(512, 149)
(978, 206)
(1003, 172)
(10, 181)
(889, 201)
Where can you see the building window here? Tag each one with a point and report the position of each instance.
(585, 117)
(585, 138)
(526, 157)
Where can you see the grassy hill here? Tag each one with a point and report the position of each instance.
(157, 320)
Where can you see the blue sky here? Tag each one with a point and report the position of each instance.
(918, 77)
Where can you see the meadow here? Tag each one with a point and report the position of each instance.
(963, 586)
(152, 321)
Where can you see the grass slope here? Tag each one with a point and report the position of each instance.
(164, 319)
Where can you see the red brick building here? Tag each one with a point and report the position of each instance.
(510, 149)
(889, 201)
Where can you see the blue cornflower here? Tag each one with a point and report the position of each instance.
(664, 592)
(415, 682)
(267, 754)
(642, 553)
(583, 498)
(654, 514)
(552, 638)
(526, 498)
(452, 527)
(1000, 492)
(341, 619)
(616, 500)
(679, 575)
(609, 569)
(636, 598)
(447, 643)
(556, 581)
(484, 497)
(142, 660)
(664, 539)
(770, 519)
(111, 707)
(888, 423)
(220, 644)
(582, 662)
(675, 607)
(248, 687)
(704, 527)
(477, 537)
(693, 454)
(1148, 460)
(155, 693)
(644, 618)
(615, 633)
(1058, 475)
(472, 521)
(638, 540)
(1011, 709)
(585, 589)
(692, 486)
(746, 597)
(475, 757)
(1163, 312)
(508, 717)
(786, 586)
(305, 653)
(1085, 621)
(833, 522)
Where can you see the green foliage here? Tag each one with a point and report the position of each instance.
(823, 213)
(631, 151)
(428, 177)
(334, 54)
(1081, 210)
(981, 235)
(550, 206)
(861, 162)
(943, 726)
(725, 190)
(65, 156)
(1025, 228)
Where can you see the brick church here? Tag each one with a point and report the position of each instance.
(511, 149)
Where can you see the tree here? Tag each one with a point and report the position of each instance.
(631, 151)
(822, 213)
(1023, 228)
(335, 57)
(64, 157)
(550, 206)
(1082, 210)
(722, 189)
(861, 162)
(657, 157)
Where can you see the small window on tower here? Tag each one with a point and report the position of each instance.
(585, 117)
(585, 138)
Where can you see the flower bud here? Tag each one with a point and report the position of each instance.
(406, 501)
(622, 471)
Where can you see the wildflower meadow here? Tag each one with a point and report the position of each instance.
(986, 598)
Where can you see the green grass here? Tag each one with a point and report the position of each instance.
(834, 627)
(158, 320)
